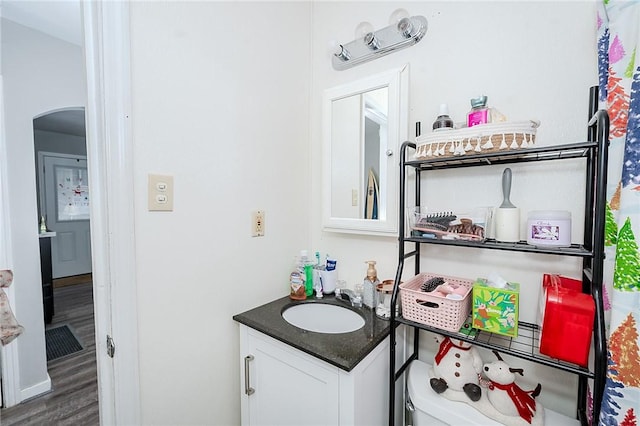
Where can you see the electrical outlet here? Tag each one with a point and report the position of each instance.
(257, 223)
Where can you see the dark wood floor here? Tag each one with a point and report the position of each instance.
(74, 398)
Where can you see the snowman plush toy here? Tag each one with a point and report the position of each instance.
(456, 366)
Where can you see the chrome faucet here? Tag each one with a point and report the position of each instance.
(346, 295)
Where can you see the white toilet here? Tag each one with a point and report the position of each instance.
(429, 408)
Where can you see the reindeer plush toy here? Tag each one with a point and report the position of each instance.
(506, 396)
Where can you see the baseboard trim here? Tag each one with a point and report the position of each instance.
(36, 390)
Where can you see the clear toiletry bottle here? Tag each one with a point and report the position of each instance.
(443, 122)
(296, 284)
(369, 294)
(479, 113)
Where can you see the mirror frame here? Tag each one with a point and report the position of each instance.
(397, 81)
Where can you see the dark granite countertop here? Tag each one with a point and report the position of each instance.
(344, 350)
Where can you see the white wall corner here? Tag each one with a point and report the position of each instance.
(36, 390)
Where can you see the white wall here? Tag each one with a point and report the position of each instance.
(59, 142)
(40, 74)
(534, 60)
(230, 121)
(227, 98)
(220, 96)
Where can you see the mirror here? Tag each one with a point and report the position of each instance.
(364, 123)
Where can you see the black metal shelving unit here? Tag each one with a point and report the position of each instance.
(595, 153)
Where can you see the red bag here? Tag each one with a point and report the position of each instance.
(566, 319)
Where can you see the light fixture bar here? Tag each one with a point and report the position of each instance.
(407, 32)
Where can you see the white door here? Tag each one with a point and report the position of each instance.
(66, 203)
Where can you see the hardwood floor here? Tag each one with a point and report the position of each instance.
(73, 280)
(74, 398)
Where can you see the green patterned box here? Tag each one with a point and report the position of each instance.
(495, 309)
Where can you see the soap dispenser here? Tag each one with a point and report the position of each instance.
(369, 284)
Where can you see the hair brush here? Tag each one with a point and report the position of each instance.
(431, 284)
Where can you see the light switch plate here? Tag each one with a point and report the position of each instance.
(160, 192)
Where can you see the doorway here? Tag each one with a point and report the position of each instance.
(62, 188)
(63, 206)
(107, 62)
(41, 72)
(63, 199)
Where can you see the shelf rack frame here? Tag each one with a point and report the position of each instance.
(595, 153)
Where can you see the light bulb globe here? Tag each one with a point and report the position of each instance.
(397, 16)
(363, 29)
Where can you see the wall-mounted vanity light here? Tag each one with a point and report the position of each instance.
(404, 31)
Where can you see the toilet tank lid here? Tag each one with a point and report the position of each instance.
(450, 412)
(428, 401)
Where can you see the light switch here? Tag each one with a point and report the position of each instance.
(354, 197)
(160, 190)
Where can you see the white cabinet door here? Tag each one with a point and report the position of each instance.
(290, 387)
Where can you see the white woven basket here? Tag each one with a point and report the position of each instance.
(480, 139)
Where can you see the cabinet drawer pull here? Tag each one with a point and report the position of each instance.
(247, 388)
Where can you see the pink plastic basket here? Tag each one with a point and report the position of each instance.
(434, 310)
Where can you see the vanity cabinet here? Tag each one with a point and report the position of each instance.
(282, 385)
(594, 152)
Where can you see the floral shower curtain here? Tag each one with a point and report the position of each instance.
(619, 70)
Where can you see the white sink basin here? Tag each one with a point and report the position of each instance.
(323, 318)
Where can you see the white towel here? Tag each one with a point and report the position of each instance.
(9, 327)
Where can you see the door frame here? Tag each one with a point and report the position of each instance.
(111, 183)
(10, 362)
